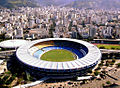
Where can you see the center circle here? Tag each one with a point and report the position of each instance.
(58, 55)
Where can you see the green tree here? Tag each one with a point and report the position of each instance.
(96, 73)
(83, 24)
(70, 25)
(51, 33)
(2, 36)
(108, 82)
(102, 47)
(118, 65)
(113, 60)
(52, 28)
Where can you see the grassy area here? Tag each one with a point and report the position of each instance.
(58, 56)
(115, 47)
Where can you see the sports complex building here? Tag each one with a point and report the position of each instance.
(58, 57)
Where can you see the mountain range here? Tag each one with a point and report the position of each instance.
(54, 2)
(100, 4)
(17, 3)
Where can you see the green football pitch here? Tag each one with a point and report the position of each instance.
(58, 56)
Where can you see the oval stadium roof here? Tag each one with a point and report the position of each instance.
(12, 43)
(92, 57)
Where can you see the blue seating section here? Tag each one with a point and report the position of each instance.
(70, 44)
(38, 53)
(78, 49)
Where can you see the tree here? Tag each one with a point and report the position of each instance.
(70, 25)
(2, 36)
(52, 28)
(108, 82)
(51, 33)
(83, 24)
(113, 60)
(102, 47)
(96, 73)
(118, 65)
(54, 24)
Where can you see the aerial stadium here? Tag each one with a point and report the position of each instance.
(58, 57)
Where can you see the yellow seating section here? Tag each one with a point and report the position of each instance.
(45, 44)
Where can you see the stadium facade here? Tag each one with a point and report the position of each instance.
(29, 56)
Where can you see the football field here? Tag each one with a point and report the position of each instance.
(58, 56)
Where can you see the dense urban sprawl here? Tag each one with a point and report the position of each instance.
(58, 22)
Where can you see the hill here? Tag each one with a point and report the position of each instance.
(17, 3)
(100, 4)
(54, 2)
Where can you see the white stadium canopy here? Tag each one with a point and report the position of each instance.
(13, 43)
(92, 57)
